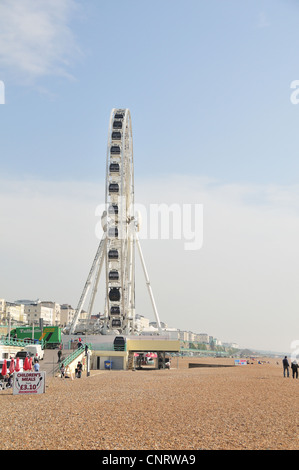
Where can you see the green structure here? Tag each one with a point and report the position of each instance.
(49, 336)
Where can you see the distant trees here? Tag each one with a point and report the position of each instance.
(201, 346)
(207, 347)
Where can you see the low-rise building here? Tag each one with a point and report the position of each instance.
(67, 313)
(141, 322)
(155, 325)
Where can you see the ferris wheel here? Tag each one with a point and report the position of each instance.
(120, 245)
(120, 236)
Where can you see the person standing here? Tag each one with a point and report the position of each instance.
(286, 366)
(294, 367)
(78, 370)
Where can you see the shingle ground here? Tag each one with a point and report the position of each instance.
(246, 407)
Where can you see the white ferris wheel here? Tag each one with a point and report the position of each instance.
(120, 236)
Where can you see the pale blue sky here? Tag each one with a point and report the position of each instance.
(208, 86)
(207, 83)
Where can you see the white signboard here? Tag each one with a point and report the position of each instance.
(29, 382)
(240, 362)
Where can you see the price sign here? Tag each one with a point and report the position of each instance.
(29, 383)
(240, 362)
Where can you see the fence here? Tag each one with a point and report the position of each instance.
(19, 342)
(107, 346)
(71, 357)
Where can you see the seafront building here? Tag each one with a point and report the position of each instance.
(28, 312)
(56, 308)
(36, 311)
(12, 311)
(67, 313)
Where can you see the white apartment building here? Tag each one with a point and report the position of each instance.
(231, 345)
(56, 311)
(36, 311)
(2, 309)
(12, 311)
(203, 338)
(192, 336)
(216, 341)
(141, 322)
(184, 335)
(16, 312)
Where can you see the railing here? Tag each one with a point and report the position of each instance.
(108, 347)
(19, 342)
(98, 346)
(71, 357)
(204, 352)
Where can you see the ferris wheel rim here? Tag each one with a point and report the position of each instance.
(125, 196)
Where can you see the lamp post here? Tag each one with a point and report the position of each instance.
(9, 325)
(87, 363)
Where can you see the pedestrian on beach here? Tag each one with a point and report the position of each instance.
(36, 366)
(286, 366)
(59, 355)
(78, 370)
(294, 367)
(62, 370)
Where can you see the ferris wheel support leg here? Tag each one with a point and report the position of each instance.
(148, 284)
(97, 259)
(96, 281)
(131, 286)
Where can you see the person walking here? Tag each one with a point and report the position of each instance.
(36, 366)
(59, 355)
(294, 367)
(286, 366)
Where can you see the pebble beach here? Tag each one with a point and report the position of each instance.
(250, 407)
